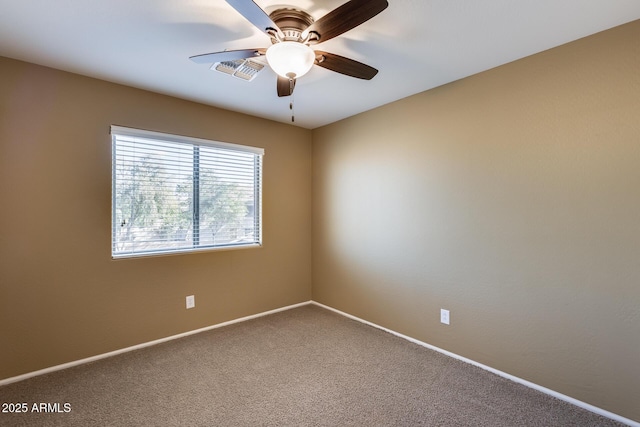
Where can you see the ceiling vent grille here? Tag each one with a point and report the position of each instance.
(245, 69)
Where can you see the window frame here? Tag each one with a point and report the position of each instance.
(121, 131)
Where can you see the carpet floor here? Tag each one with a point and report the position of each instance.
(302, 367)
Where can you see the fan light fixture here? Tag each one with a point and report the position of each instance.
(290, 59)
(291, 32)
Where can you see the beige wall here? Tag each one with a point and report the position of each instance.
(62, 297)
(511, 198)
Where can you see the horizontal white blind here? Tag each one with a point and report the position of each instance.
(176, 194)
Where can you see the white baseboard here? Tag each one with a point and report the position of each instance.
(143, 345)
(545, 390)
(513, 378)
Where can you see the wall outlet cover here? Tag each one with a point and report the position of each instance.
(191, 301)
(444, 316)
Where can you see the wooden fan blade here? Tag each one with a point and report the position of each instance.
(345, 17)
(345, 66)
(227, 55)
(285, 86)
(254, 14)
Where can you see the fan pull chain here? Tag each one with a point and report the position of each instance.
(291, 85)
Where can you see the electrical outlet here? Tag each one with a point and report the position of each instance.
(191, 301)
(444, 316)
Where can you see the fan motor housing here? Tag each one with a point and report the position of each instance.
(292, 22)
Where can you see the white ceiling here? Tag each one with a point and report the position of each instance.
(416, 45)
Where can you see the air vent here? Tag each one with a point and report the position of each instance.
(245, 69)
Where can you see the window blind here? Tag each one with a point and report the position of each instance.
(175, 194)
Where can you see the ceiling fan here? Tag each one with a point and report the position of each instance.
(292, 32)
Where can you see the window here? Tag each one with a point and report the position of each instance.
(174, 194)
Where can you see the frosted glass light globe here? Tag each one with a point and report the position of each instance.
(290, 59)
